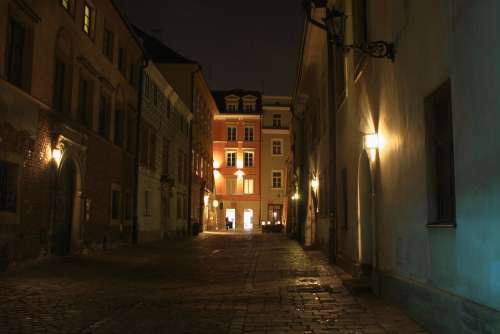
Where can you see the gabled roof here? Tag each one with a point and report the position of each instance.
(159, 52)
(220, 99)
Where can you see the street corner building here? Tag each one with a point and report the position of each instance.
(176, 151)
(395, 126)
(68, 116)
(251, 157)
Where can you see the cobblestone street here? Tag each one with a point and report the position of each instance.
(210, 284)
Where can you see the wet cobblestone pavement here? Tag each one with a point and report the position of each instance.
(210, 284)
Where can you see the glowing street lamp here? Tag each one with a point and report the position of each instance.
(215, 203)
(315, 184)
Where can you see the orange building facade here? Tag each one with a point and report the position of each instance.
(237, 160)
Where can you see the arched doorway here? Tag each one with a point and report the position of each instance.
(366, 247)
(66, 207)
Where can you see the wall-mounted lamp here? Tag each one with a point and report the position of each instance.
(315, 184)
(334, 23)
(205, 200)
(239, 173)
(57, 154)
(371, 143)
(295, 197)
(215, 203)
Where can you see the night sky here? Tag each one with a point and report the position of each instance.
(240, 44)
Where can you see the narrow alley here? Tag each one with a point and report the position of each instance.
(215, 283)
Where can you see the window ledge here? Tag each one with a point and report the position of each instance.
(441, 225)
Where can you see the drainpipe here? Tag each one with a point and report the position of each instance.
(327, 26)
(135, 222)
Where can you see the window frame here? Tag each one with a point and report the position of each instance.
(249, 133)
(233, 181)
(273, 177)
(233, 160)
(91, 25)
(230, 136)
(277, 121)
(246, 185)
(246, 161)
(280, 141)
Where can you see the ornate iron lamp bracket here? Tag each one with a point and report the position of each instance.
(374, 49)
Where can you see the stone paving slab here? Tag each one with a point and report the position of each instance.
(216, 283)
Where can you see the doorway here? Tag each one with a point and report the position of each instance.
(231, 218)
(65, 208)
(366, 249)
(248, 219)
(274, 213)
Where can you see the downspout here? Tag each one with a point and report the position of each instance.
(190, 155)
(327, 26)
(135, 222)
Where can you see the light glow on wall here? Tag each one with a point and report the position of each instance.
(216, 164)
(372, 143)
(205, 200)
(57, 154)
(239, 164)
(215, 203)
(239, 173)
(315, 184)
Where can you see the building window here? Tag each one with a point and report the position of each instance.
(119, 125)
(248, 159)
(16, 53)
(248, 186)
(115, 204)
(127, 204)
(276, 179)
(345, 201)
(104, 107)
(148, 147)
(65, 4)
(147, 203)
(165, 158)
(88, 19)
(122, 61)
(232, 106)
(8, 187)
(85, 103)
(249, 107)
(108, 44)
(249, 133)
(231, 133)
(59, 85)
(440, 156)
(180, 166)
(277, 121)
(277, 147)
(231, 185)
(230, 159)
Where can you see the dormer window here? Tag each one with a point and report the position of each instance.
(249, 103)
(232, 103)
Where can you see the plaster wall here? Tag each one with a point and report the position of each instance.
(434, 42)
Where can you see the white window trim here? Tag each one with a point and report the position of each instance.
(281, 143)
(253, 133)
(253, 159)
(235, 180)
(235, 133)
(245, 180)
(235, 159)
(272, 177)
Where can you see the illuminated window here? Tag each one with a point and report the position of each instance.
(276, 179)
(248, 133)
(231, 185)
(248, 186)
(277, 147)
(87, 19)
(231, 159)
(248, 159)
(231, 133)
